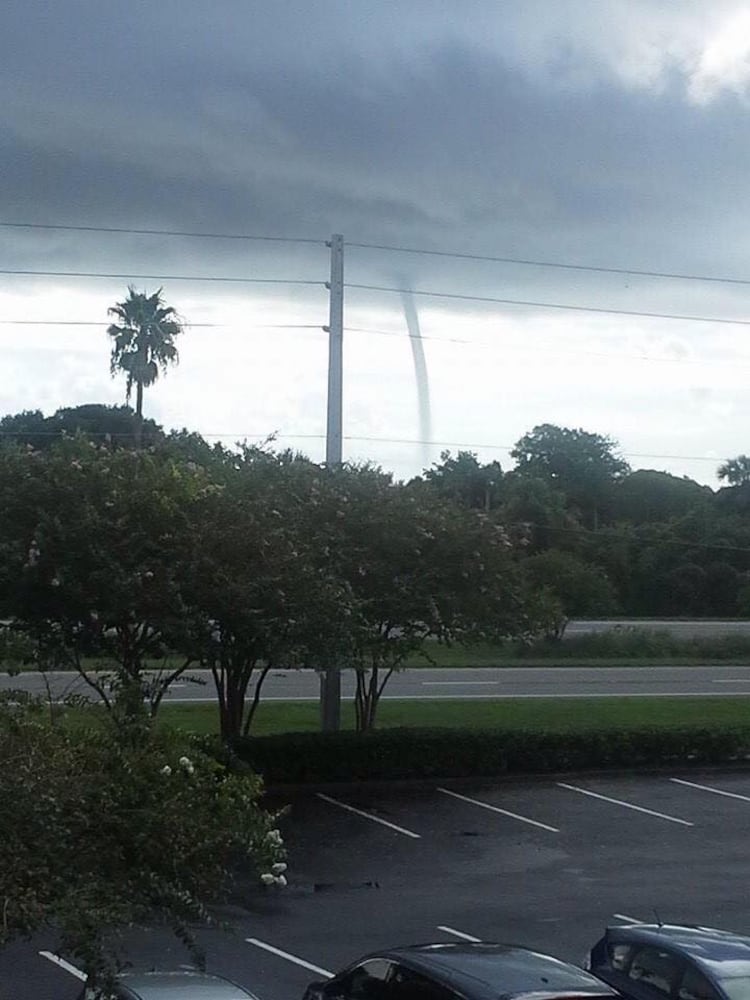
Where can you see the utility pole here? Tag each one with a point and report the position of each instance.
(330, 679)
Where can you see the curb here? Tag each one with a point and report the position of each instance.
(486, 780)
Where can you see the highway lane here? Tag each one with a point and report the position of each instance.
(464, 683)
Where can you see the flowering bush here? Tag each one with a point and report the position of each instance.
(109, 826)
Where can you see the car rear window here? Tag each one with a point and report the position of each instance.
(737, 988)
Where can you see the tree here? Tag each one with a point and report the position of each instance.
(579, 588)
(104, 827)
(584, 465)
(647, 495)
(416, 570)
(91, 544)
(736, 471)
(465, 480)
(143, 343)
(114, 426)
(257, 596)
(533, 509)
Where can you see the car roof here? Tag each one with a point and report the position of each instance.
(492, 971)
(723, 953)
(183, 983)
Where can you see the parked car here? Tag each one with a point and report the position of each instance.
(181, 985)
(654, 961)
(460, 971)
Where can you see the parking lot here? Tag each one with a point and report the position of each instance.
(543, 864)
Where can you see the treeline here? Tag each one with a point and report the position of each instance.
(178, 554)
(607, 540)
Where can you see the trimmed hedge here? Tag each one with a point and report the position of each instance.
(398, 754)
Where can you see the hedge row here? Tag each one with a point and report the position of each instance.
(397, 754)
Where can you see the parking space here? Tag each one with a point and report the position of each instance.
(545, 864)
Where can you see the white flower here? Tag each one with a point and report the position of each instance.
(279, 868)
(166, 770)
(274, 837)
(187, 764)
(267, 878)
(281, 880)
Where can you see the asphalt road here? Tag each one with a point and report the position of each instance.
(545, 864)
(464, 683)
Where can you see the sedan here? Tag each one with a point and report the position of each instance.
(182, 985)
(673, 962)
(460, 971)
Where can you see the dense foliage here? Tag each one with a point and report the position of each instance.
(117, 824)
(150, 561)
(418, 754)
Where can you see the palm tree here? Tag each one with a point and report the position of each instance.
(143, 344)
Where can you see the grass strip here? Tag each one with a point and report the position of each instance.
(509, 714)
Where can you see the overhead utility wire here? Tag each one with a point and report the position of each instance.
(372, 440)
(165, 277)
(548, 305)
(455, 254)
(320, 327)
(544, 347)
(644, 541)
(161, 232)
(217, 326)
(549, 263)
(498, 447)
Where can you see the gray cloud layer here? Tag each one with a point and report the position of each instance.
(427, 122)
(592, 130)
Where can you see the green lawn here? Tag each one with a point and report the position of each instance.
(543, 713)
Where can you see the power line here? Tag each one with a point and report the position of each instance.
(161, 232)
(379, 440)
(545, 347)
(550, 305)
(413, 336)
(501, 447)
(548, 263)
(163, 277)
(601, 533)
(217, 326)
(402, 336)
(422, 251)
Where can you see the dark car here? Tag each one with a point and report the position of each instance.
(181, 985)
(460, 971)
(652, 961)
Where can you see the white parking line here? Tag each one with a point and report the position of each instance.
(497, 809)
(626, 918)
(458, 934)
(290, 958)
(707, 788)
(731, 680)
(375, 819)
(56, 960)
(626, 805)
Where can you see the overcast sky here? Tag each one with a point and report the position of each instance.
(595, 132)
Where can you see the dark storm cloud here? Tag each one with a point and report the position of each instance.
(428, 125)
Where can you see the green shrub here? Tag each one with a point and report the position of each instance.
(639, 643)
(398, 754)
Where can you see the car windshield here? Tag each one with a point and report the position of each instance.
(737, 988)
